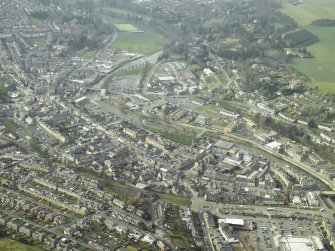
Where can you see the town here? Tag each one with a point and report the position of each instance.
(105, 147)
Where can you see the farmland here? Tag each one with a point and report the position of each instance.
(321, 68)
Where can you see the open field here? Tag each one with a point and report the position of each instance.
(126, 27)
(39, 42)
(321, 68)
(310, 10)
(144, 43)
(88, 54)
(326, 87)
(12, 245)
(183, 201)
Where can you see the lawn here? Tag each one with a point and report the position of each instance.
(12, 245)
(176, 136)
(130, 72)
(126, 27)
(144, 43)
(222, 78)
(3, 88)
(183, 201)
(39, 42)
(35, 20)
(10, 125)
(321, 68)
(88, 54)
(325, 87)
(179, 138)
(310, 10)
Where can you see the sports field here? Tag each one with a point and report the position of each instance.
(321, 68)
(144, 43)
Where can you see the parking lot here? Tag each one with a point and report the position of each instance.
(269, 231)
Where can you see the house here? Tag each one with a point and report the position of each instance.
(49, 217)
(41, 215)
(59, 220)
(230, 127)
(38, 236)
(25, 230)
(119, 203)
(149, 239)
(50, 241)
(13, 226)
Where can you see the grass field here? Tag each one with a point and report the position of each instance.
(12, 245)
(310, 10)
(39, 42)
(126, 27)
(144, 43)
(326, 87)
(88, 54)
(175, 199)
(321, 68)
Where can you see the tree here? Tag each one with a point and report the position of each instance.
(312, 124)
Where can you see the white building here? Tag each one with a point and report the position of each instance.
(312, 243)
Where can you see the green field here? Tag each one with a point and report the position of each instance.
(144, 43)
(183, 201)
(88, 54)
(126, 27)
(321, 68)
(310, 10)
(12, 245)
(39, 42)
(326, 87)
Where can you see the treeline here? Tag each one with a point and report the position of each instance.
(301, 38)
(117, 15)
(324, 22)
(43, 15)
(290, 131)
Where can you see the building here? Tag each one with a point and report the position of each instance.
(312, 243)
(230, 127)
(209, 220)
(229, 114)
(228, 233)
(203, 119)
(312, 200)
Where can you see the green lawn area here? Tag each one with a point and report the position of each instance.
(2, 86)
(321, 68)
(309, 10)
(211, 111)
(12, 245)
(126, 27)
(10, 125)
(179, 138)
(40, 42)
(88, 54)
(130, 72)
(183, 201)
(145, 43)
(222, 78)
(35, 20)
(325, 87)
(176, 136)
